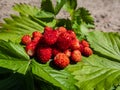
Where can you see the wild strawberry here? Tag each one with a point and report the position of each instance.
(87, 51)
(84, 43)
(61, 29)
(64, 41)
(36, 40)
(55, 51)
(72, 33)
(26, 39)
(47, 29)
(75, 44)
(44, 54)
(50, 37)
(61, 60)
(36, 34)
(76, 56)
(67, 52)
(30, 48)
(81, 47)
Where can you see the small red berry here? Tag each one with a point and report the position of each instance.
(64, 41)
(50, 37)
(87, 51)
(55, 51)
(81, 48)
(67, 52)
(76, 56)
(75, 44)
(26, 39)
(84, 43)
(47, 29)
(61, 30)
(61, 60)
(30, 48)
(72, 33)
(36, 39)
(36, 34)
(44, 54)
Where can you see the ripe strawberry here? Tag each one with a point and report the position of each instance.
(75, 44)
(76, 56)
(72, 33)
(84, 43)
(50, 37)
(55, 51)
(81, 47)
(67, 52)
(61, 60)
(30, 48)
(26, 39)
(47, 29)
(87, 51)
(36, 39)
(36, 34)
(61, 29)
(44, 54)
(64, 41)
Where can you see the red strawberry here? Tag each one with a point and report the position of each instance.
(76, 56)
(50, 37)
(64, 41)
(44, 54)
(61, 29)
(36, 39)
(55, 51)
(67, 52)
(61, 60)
(84, 43)
(47, 29)
(87, 51)
(36, 34)
(30, 48)
(81, 48)
(26, 39)
(75, 44)
(72, 33)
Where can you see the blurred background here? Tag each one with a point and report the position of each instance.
(105, 12)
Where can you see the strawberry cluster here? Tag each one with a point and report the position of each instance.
(59, 44)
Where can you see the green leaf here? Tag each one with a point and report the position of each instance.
(29, 80)
(21, 25)
(59, 78)
(80, 29)
(96, 73)
(6, 36)
(16, 82)
(15, 63)
(82, 15)
(106, 44)
(26, 9)
(13, 57)
(64, 22)
(46, 5)
(70, 6)
(43, 85)
(59, 5)
(44, 14)
(11, 50)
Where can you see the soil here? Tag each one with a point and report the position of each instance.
(105, 12)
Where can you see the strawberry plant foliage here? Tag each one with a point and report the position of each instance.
(106, 44)
(18, 61)
(97, 72)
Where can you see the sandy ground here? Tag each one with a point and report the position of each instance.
(105, 12)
